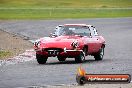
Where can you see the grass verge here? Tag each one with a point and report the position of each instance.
(5, 54)
(67, 3)
(61, 13)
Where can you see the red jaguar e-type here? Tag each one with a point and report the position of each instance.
(70, 41)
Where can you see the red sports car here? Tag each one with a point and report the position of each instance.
(70, 41)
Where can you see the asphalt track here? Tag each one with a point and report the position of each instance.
(117, 59)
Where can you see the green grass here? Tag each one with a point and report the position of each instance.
(66, 3)
(63, 13)
(61, 9)
(4, 54)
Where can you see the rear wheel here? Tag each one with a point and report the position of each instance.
(80, 58)
(41, 59)
(61, 59)
(100, 54)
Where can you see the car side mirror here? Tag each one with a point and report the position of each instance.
(52, 35)
(90, 36)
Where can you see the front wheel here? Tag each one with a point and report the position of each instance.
(100, 54)
(41, 59)
(80, 58)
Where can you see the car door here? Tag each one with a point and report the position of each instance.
(95, 39)
(90, 41)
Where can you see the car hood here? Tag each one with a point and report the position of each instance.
(59, 42)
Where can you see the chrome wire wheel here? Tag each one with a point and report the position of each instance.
(100, 54)
(80, 58)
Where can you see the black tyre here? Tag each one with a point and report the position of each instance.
(100, 54)
(61, 58)
(41, 59)
(85, 51)
(80, 58)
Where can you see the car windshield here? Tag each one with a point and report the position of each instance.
(74, 30)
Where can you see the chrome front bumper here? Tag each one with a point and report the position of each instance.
(65, 50)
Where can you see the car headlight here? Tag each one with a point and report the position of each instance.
(37, 44)
(75, 44)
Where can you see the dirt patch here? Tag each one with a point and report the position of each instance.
(12, 44)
